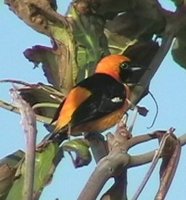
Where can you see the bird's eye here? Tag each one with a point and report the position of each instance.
(124, 65)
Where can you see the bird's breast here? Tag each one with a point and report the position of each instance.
(102, 124)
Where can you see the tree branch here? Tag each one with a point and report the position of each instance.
(144, 138)
(29, 126)
(140, 88)
(117, 161)
(109, 166)
(145, 158)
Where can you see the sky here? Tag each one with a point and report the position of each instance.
(168, 87)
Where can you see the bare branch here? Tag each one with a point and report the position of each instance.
(109, 166)
(144, 138)
(118, 189)
(29, 126)
(141, 159)
(104, 170)
(153, 67)
(145, 158)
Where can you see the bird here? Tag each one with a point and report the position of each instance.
(98, 102)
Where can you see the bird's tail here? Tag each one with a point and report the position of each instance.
(56, 136)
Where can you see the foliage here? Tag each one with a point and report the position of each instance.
(90, 30)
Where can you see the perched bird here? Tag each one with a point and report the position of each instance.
(99, 101)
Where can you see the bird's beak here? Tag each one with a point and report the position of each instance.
(136, 68)
(136, 72)
(131, 74)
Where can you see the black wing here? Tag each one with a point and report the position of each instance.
(108, 95)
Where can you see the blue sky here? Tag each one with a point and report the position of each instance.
(168, 87)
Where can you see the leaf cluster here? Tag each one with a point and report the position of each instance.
(90, 30)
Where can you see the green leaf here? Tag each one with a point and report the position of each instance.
(13, 159)
(81, 148)
(54, 60)
(110, 8)
(44, 99)
(46, 162)
(138, 24)
(7, 176)
(8, 167)
(179, 51)
(91, 44)
(118, 43)
(75, 52)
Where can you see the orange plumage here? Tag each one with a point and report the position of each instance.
(98, 102)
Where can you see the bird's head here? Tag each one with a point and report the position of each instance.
(119, 67)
